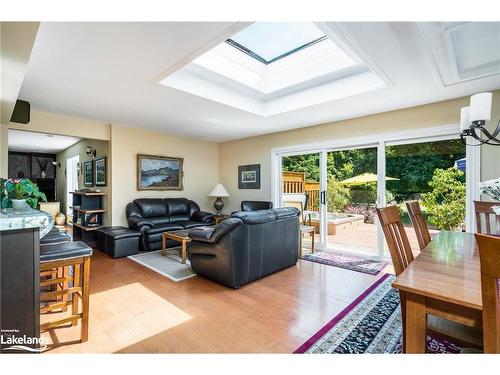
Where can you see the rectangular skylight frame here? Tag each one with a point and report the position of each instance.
(259, 58)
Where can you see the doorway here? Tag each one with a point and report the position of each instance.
(71, 182)
(345, 180)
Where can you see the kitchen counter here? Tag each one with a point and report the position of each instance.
(11, 219)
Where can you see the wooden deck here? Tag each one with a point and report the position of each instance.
(362, 239)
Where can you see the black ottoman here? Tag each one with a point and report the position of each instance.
(101, 237)
(120, 241)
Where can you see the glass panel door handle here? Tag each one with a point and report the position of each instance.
(323, 197)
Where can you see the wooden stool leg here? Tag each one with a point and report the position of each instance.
(65, 273)
(312, 239)
(85, 299)
(76, 283)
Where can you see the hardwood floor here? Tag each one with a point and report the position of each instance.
(133, 309)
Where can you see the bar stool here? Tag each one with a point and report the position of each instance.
(75, 284)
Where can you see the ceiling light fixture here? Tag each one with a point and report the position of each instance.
(473, 119)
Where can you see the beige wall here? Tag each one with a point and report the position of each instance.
(200, 167)
(4, 151)
(257, 150)
(101, 148)
(52, 123)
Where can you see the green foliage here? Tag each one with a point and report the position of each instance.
(20, 189)
(412, 164)
(338, 196)
(445, 203)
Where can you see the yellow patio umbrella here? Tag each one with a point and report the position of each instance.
(364, 178)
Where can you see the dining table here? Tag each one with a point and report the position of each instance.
(444, 280)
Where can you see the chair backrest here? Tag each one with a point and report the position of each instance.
(256, 205)
(419, 224)
(485, 209)
(396, 238)
(489, 252)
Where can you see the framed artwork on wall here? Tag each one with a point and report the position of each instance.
(100, 171)
(249, 176)
(159, 172)
(88, 173)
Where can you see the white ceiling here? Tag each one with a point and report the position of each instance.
(110, 72)
(26, 141)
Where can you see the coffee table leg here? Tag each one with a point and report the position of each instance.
(184, 251)
(163, 245)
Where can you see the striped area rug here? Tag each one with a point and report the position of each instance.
(370, 324)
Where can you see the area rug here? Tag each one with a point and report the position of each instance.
(347, 262)
(370, 324)
(169, 266)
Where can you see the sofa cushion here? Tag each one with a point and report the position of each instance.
(191, 224)
(178, 206)
(160, 220)
(255, 217)
(179, 218)
(152, 207)
(163, 228)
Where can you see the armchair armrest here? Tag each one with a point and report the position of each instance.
(203, 217)
(138, 223)
(213, 235)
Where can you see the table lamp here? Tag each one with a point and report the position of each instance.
(218, 192)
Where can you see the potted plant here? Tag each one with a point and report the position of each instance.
(19, 193)
(60, 218)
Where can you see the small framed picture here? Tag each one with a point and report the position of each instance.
(100, 171)
(249, 176)
(88, 173)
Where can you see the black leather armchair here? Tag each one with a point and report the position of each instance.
(246, 246)
(153, 216)
(256, 205)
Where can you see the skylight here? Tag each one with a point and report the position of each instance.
(272, 68)
(271, 41)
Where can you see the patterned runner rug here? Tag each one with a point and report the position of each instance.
(348, 262)
(370, 324)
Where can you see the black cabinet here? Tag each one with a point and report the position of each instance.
(19, 285)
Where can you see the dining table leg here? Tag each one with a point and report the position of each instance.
(416, 324)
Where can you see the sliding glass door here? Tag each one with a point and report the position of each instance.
(432, 173)
(300, 188)
(351, 201)
(338, 188)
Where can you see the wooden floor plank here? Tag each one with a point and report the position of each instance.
(135, 310)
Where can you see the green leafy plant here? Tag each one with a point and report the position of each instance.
(338, 196)
(445, 203)
(20, 189)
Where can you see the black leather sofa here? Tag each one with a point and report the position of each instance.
(256, 205)
(246, 246)
(153, 216)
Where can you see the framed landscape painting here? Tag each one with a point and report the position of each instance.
(88, 173)
(100, 171)
(249, 176)
(159, 172)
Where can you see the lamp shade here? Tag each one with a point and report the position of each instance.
(218, 191)
(464, 118)
(480, 107)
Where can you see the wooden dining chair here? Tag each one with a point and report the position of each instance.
(485, 210)
(396, 238)
(402, 256)
(419, 224)
(489, 253)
